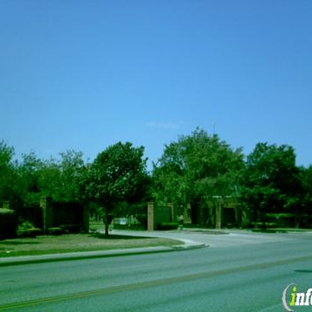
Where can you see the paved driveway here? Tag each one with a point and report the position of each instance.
(218, 239)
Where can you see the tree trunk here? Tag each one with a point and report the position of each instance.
(106, 228)
(107, 221)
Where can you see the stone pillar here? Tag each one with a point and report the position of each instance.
(150, 216)
(218, 215)
(46, 205)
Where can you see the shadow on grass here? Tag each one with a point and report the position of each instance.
(113, 236)
(18, 243)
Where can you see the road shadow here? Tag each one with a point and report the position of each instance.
(303, 271)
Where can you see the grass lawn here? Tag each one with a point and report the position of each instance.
(76, 242)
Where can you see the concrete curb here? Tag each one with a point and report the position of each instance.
(11, 261)
(193, 246)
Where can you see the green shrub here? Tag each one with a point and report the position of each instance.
(32, 232)
(70, 228)
(55, 231)
(138, 227)
(165, 226)
(282, 220)
(23, 228)
(27, 229)
(142, 218)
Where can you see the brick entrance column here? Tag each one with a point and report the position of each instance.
(46, 205)
(218, 215)
(150, 216)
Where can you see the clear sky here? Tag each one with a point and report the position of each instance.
(82, 75)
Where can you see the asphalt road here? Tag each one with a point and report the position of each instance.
(239, 272)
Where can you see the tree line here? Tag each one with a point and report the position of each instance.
(194, 169)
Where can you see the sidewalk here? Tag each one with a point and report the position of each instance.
(187, 244)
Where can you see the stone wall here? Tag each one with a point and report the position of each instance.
(73, 217)
(8, 222)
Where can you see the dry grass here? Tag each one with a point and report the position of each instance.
(76, 242)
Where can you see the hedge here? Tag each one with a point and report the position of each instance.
(165, 226)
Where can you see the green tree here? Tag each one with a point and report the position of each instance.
(39, 178)
(56, 178)
(196, 169)
(70, 170)
(9, 188)
(29, 175)
(306, 178)
(170, 181)
(118, 174)
(271, 181)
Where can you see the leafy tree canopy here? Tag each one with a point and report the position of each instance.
(56, 178)
(8, 186)
(196, 167)
(117, 174)
(271, 180)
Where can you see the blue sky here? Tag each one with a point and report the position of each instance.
(84, 75)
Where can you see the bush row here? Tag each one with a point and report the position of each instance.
(9, 227)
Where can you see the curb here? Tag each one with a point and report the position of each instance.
(12, 261)
(189, 247)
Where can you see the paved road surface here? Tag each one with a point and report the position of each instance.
(239, 272)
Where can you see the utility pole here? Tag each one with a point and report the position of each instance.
(213, 128)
